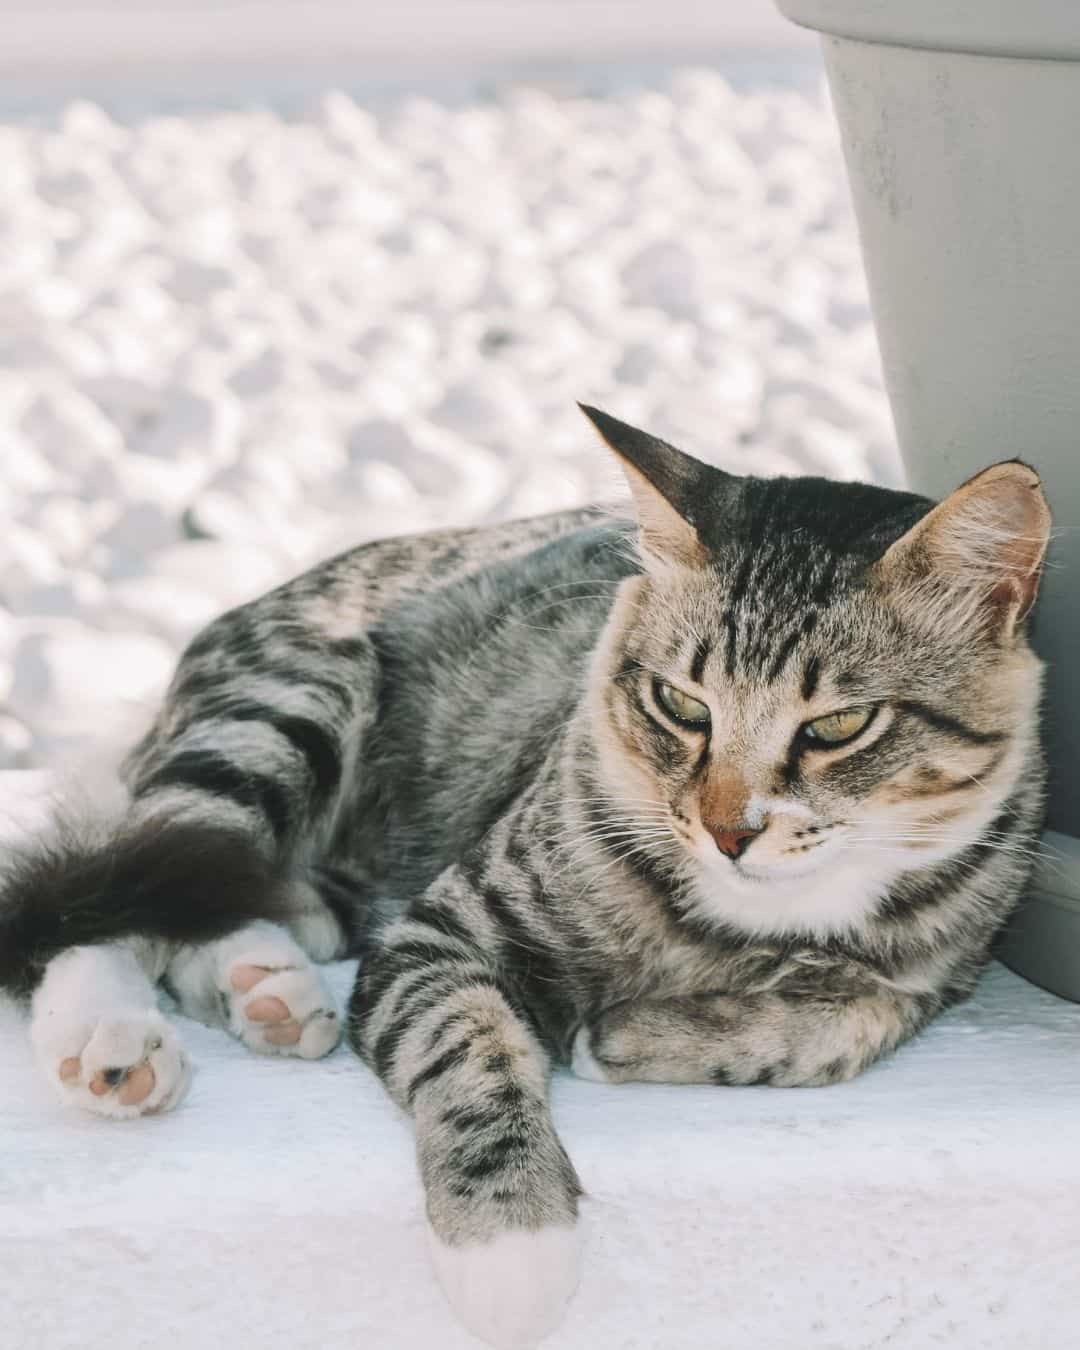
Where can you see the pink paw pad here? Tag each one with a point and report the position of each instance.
(267, 1009)
(282, 1030)
(132, 1064)
(289, 1014)
(243, 978)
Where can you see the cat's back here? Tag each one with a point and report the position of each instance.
(349, 593)
(478, 676)
(461, 636)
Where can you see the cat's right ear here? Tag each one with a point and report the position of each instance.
(670, 489)
(980, 552)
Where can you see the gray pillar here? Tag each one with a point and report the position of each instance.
(960, 121)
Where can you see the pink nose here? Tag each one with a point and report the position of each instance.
(734, 843)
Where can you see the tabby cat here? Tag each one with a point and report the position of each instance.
(739, 793)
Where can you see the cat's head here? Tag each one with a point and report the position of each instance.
(814, 687)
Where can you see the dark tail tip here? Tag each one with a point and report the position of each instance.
(156, 877)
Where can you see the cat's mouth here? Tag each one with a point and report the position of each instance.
(754, 872)
(783, 861)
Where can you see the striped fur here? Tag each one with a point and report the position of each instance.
(454, 747)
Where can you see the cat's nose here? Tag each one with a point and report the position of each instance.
(734, 843)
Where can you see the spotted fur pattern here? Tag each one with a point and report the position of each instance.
(452, 750)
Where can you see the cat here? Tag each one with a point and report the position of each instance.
(735, 792)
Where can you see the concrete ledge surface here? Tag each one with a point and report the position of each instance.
(933, 1201)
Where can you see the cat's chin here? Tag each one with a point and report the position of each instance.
(777, 875)
(770, 899)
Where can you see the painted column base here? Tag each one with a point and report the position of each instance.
(1042, 941)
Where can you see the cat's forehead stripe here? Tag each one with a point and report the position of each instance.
(701, 656)
(729, 647)
(811, 675)
(757, 647)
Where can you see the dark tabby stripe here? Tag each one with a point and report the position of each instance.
(941, 721)
(731, 635)
(449, 1059)
(211, 772)
(701, 655)
(315, 743)
(780, 660)
(811, 675)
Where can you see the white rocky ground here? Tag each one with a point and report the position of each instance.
(233, 341)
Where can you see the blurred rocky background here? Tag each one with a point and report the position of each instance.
(249, 318)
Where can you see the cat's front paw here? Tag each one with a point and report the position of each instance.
(512, 1290)
(130, 1064)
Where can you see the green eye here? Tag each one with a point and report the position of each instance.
(839, 727)
(681, 707)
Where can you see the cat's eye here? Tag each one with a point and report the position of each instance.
(680, 707)
(837, 728)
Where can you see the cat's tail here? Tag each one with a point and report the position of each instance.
(83, 882)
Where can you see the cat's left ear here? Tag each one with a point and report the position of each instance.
(673, 493)
(983, 546)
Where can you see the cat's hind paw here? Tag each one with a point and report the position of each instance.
(132, 1065)
(280, 1009)
(513, 1290)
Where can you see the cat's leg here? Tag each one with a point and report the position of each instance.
(259, 984)
(236, 788)
(786, 1040)
(263, 732)
(99, 1037)
(453, 1045)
